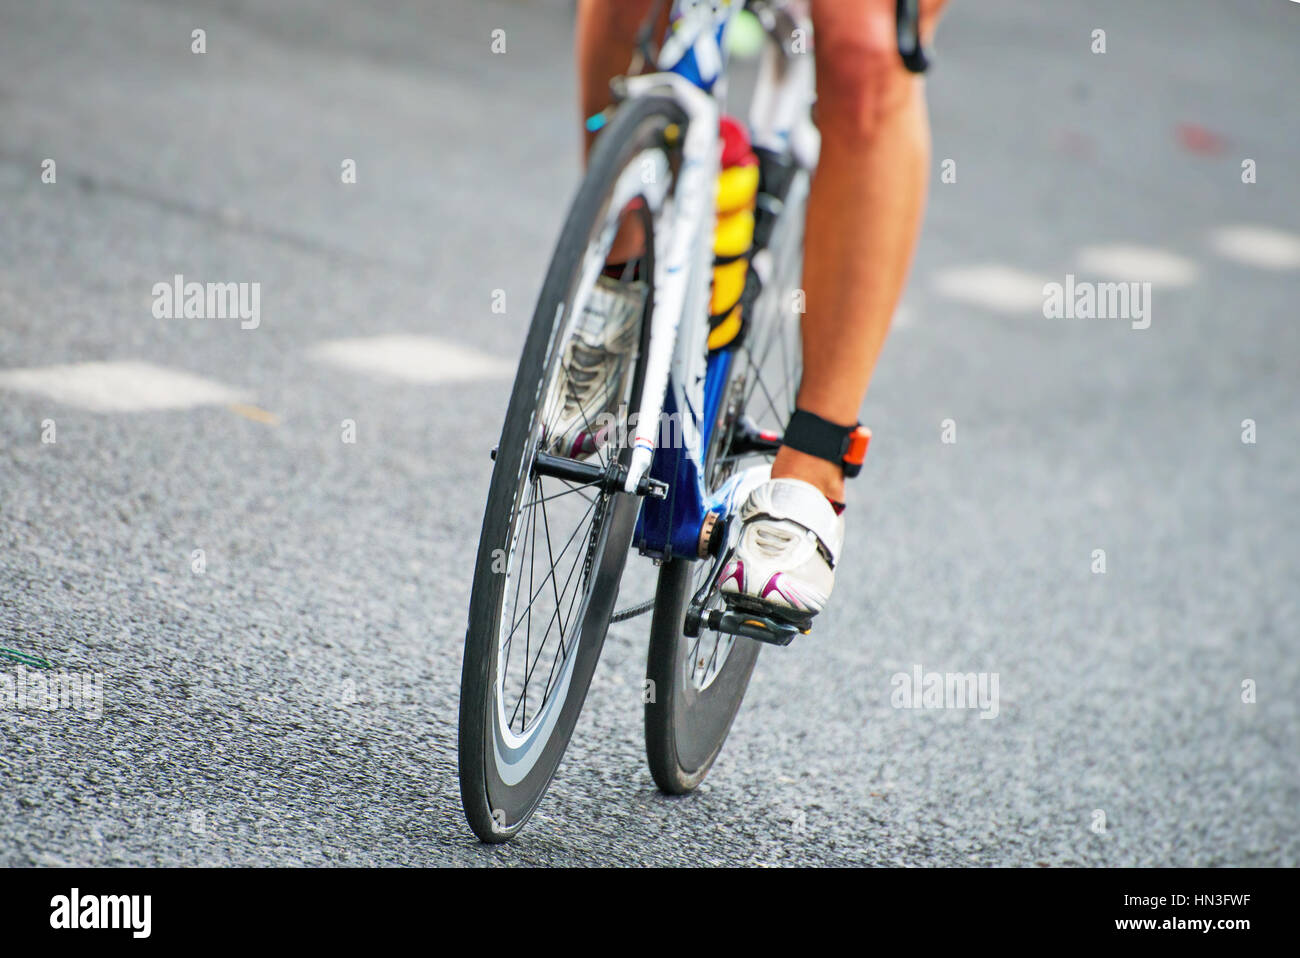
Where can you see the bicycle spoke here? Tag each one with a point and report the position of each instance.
(530, 668)
(518, 586)
(528, 629)
(713, 659)
(534, 596)
(771, 403)
(577, 591)
(536, 588)
(551, 555)
(694, 654)
(573, 489)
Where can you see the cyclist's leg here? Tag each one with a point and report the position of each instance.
(605, 41)
(864, 211)
(863, 214)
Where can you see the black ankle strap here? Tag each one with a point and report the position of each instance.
(846, 446)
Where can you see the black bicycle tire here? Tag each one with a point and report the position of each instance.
(686, 728)
(491, 819)
(677, 770)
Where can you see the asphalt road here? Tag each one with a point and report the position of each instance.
(295, 701)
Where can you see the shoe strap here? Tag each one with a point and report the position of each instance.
(846, 446)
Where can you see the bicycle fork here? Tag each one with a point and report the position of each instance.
(681, 281)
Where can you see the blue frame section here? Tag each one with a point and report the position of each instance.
(670, 527)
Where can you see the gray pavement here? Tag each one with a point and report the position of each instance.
(295, 703)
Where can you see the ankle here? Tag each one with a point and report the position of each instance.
(826, 476)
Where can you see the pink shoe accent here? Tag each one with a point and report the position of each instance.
(777, 584)
(735, 570)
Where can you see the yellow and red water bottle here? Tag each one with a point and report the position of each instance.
(733, 238)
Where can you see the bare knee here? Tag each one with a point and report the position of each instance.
(861, 79)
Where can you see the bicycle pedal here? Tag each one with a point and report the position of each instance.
(752, 625)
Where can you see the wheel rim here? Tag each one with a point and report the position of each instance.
(559, 529)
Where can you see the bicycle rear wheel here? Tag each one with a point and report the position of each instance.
(698, 683)
(552, 550)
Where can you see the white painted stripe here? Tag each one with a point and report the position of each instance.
(993, 286)
(1127, 262)
(416, 359)
(1259, 246)
(125, 386)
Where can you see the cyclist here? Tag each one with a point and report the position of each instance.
(863, 216)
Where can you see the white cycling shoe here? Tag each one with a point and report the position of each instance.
(594, 368)
(784, 563)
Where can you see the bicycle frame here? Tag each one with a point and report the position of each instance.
(682, 379)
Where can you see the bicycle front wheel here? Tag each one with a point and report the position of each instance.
(552, 550)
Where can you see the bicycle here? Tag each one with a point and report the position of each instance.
(653, 167)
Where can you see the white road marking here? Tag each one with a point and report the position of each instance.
(994, 286)
(416, 359)
(126, 386)
(1126, 262)
(1260, 246)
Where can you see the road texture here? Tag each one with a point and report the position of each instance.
(276, 614)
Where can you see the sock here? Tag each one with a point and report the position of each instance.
(617, 270)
